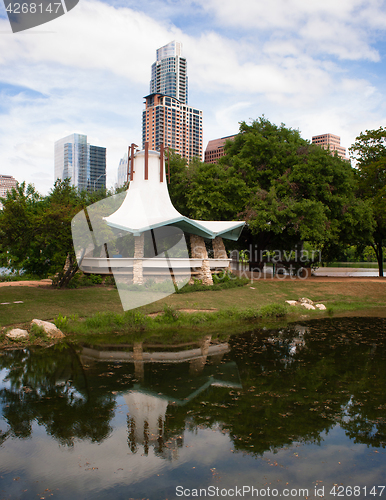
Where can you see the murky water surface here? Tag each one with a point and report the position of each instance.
(290, 413)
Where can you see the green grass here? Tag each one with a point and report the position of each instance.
(91, 312)
(169, 326)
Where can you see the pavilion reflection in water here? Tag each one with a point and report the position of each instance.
(149, 400)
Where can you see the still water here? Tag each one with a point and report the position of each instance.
(277, 413)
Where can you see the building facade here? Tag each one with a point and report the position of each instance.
(215, 149)
(330, 142)
(81, 162)
(7, 182)
(167, 118)
(123, 172)
(168, 73)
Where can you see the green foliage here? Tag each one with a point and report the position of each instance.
(299, 192)
(369, 153)
(37, 332)
(170, 315)
(35, 231)
(61, 321)
(273, 310)
(81, 279)
(221, 281)
(288, 191)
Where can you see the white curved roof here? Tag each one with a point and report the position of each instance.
(147, 205)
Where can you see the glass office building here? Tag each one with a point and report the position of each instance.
(81, 162)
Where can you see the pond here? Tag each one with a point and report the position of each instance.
(298, 412)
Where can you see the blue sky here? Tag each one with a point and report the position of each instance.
(317, 66)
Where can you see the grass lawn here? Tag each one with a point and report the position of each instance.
(47, 303)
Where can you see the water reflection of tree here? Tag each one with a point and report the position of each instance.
(48, 386)
(296, 391)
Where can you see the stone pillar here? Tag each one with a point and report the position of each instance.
(138, 254)
(219, 251)
(198, 251)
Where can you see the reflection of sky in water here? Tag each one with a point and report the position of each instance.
(202, 428)
(206, 458)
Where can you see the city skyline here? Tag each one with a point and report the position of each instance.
(315, 67)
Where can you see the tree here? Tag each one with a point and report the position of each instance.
(369, 154)
(35, 231)
(296, 191)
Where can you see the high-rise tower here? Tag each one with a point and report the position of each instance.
(168, 73)
(84, 164)
(167, 118)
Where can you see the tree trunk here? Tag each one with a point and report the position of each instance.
(377, 246)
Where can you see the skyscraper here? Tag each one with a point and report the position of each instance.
(167, 118)
(168, 73)
(83, 163)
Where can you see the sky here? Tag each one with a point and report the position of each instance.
(317, 66)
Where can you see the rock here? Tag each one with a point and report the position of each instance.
(292, 302)
(304, 300)
(322, 307)
(49, 328)
(17, 334)
(307, 305)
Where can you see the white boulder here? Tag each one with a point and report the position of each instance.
(49, 328)
(322, 307)
(307, 305)
(292, 302)
(304, 300)
(17, 334)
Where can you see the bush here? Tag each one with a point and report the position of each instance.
(271, 310)
(61, 321)
(37, 332)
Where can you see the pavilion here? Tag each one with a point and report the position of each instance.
(146, 210)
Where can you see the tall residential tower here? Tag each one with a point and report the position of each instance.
(167, 118)
(84, 164)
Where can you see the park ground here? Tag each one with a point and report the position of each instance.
(20, 302)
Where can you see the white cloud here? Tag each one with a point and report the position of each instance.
(338, 28)
(89, 70)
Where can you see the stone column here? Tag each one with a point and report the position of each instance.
(219, 251)
(198, 251)
(138, 254)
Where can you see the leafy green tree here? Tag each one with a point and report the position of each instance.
(369, 153)
(20, 208)
(295, 191)
(35, 231)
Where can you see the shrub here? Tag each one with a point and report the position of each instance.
(270, 310)
(61, 321)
